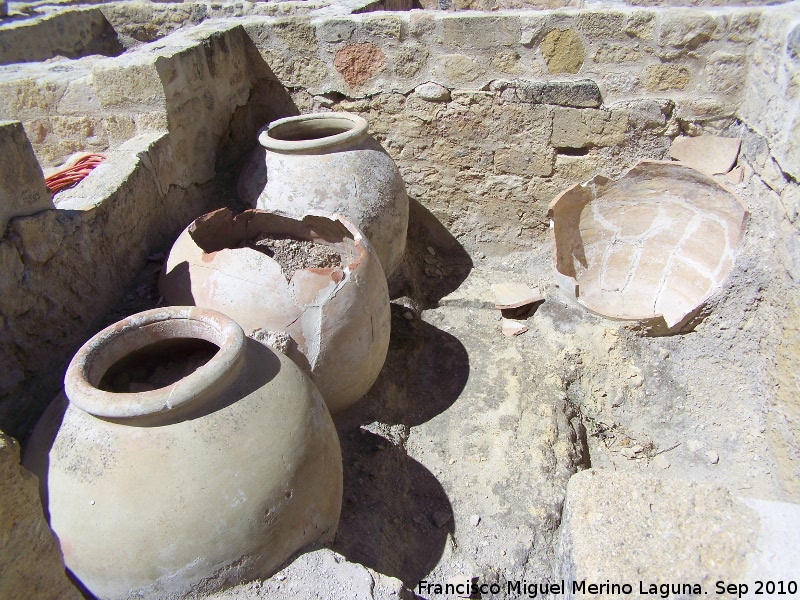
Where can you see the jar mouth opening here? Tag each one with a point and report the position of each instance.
(315, 131)
(222, 229)
(197, 347)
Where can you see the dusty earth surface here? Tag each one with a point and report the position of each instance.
(293, 255)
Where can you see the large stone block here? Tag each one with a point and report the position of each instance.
(563, 51)
(457, 68)
(31, 565)
(632, 528)
(726, 73)
(22, 187)
(664, 77)
(479, 31)
(578, 94)
(584, 128)
(686, 29)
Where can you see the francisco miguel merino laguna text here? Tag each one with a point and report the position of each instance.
(541, 589)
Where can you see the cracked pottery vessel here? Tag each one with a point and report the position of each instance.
(328, 162)
(651, 247)
(216, 478)
(338, 317)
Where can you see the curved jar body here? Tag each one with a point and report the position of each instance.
(337, 316)
(215, 479)
(328, 162)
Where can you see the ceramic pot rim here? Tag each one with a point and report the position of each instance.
(355, 128)
(139, 331)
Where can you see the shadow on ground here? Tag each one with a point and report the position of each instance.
(396, 516)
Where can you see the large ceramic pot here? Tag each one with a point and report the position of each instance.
(223, 466)
(338, 316)
(328, 162)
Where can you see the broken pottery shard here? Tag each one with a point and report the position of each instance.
(707, 153)
(736, 175)
(510, 327)
(650, 248)
(514, 295)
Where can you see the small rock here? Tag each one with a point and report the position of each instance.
(628, 453)
(527, 37)
(432, 92)
(431, 251)
(511, 328)
(713, 457)
(636, 449)
(661, 462)
(430, 271)
(663, 353)
(481, 255)
(408, 315)
(474, 520)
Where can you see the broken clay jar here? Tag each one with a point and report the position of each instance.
(328, 162)
(650, 248)
(338, 315)
(217, 474)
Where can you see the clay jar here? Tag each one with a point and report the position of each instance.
(328, 162)
(217, 472)
(337, 316)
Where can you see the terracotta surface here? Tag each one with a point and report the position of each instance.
(514, 295)
(327, 162)
(215, 479)
(652, 246)
(338, 317)
(707, 153)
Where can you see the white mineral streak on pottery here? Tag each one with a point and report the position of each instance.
(339, 317)
(215, 479)
(328, 162)
(652, 247)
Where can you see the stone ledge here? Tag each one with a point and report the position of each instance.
(23, 190)
(636, 528)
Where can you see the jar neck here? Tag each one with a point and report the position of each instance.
(172, 402)
(314, 133)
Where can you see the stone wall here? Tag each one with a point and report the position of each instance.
(490, 115)
(771, 110)
(184, 105)
(71, 33)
